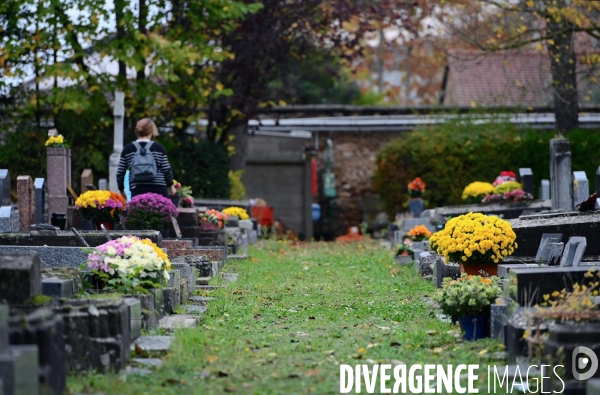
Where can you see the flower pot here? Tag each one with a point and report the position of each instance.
(108, 225)
(233, 222)
(176, 199)
(205, 225)
(165, 232)
(479, 269)
(474, 326)
(403, 259)
(59, 220)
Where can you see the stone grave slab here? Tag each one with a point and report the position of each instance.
(25, 201)
(3, 327)
(201, 299)
(527, 286)
(59, 287)
(135, 317)
(4, 187)
(178, 321)
(172, 299)
(20, 276)
(195, 309)
(68, 239)
(153, 345)
(545, 247)
(155, 363)
(51, 257)
(573, 252)
(529, 229)
(545, 190)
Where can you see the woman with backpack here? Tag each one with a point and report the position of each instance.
(149, 168)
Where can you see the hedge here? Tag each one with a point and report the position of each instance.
(453, 154)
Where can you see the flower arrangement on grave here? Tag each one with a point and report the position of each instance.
(406, 248)
(129, 265)
(100, 206)
(212, 219)
(149, 211)
(508, 186)
(475, 241)
(468, 297)
(57, 141)
(419, 233)
(187, 201)
(416, 188)
(181, 190)
(476, 191)
(239, 212)
(505, 176)
(516, 195)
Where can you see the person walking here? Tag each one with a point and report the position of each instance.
(149, 168)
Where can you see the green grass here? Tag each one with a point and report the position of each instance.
(295, 314)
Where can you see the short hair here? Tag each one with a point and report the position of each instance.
(145, 127)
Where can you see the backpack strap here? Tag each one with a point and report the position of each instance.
(146, 148)
(137, 146)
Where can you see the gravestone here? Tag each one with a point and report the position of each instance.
(597, 181)
(526, 178)
(573, 252)
(19, 370)
(25, 201)
(41, 201)
(9, 220)
(20, 276)
(545, 190)
(58, 177)
(87, 178)
(4, 187)
(546, 243)
(581, 187)
(119, 114)
(555, 254)
(103, 184)
(560, 174)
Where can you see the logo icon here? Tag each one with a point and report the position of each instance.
(584, 359)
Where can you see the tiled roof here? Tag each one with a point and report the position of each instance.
(498, 78)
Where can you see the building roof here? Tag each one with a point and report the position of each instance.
(498, 78)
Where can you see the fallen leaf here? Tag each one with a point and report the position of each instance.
(395, 344)
(312, 372)
(172, 382)
(394, 271)
(222, 374)
(482, 352)
(432, 332)
(211, 358)
(311, 318)
(438, 350)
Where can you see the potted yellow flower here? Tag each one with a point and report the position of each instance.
(101, 207)
(235, 214)
(476, 191)
(475, 241)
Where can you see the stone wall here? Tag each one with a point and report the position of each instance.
(354, 155)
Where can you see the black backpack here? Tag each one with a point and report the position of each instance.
(143, 165)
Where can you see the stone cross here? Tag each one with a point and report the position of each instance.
(581, 187)
(119, 113)
(560, 174)
(58, 177)
(41, 201)
(87, 178)
(4, 187)
(25, 201)
(545, 190)
(526, 178)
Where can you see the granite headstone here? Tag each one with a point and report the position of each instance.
(545, 190)
(561, 178)
(546, 243)
(581, 187)
(4, 187)
(526, 178)
(25, 201)
(41, 201)
(9, 219)
(573, 252)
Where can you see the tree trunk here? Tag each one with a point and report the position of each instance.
(564, 79)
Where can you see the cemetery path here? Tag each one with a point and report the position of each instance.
(296, 312)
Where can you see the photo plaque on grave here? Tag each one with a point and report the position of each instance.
(546, 244)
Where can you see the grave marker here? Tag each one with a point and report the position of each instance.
(41, 201)
(25, 201)
(176, 227)
(526, 178)
(20, 276)
(545, 190)
(4, 187)
(59, 176)
(573, 252)
(119, 114)
(560, 174)
(555, 254)
(9, 219)
(581, 187)
(546, 243)
(87, 178)
(103, 184)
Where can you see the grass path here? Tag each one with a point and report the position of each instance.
(296, 313)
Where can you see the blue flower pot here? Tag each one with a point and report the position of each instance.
(474, 326)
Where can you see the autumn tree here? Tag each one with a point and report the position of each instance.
(552, 25)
